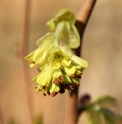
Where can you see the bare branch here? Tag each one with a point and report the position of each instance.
(23, 49)
(82, 20)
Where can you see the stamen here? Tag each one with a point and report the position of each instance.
(73, 75)
(77, 84)
(43, 87)
(39, 89)
(61, 81)
(79, 72)
(62, 77)
(53, 94)
(62, 91)
(38, 69)
(48, 93)
(44, 94)
(79, 76)
(71, 86)
(55, 81)
(30, 60)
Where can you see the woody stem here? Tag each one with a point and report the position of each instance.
(71, 98)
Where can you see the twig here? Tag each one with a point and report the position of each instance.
(1, 115)
(23, 51)
(82, 20)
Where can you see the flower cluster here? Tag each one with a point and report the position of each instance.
(59, 68)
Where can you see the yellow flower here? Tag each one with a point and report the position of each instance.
(40, 55)
(62, 71)
(59, 68)
(46, 80)
(63, 14)
(63, 26)
(63, 57)
(69, 65)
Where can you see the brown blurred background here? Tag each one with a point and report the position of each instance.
(102, 48)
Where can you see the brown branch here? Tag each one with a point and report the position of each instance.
(1, 115)
(23, 49)
(82, 20)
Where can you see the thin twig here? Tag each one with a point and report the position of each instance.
(1, 115)
(23, 51)
(82, 20)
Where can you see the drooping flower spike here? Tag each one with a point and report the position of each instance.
(59, 68)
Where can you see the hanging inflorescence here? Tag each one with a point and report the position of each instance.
(59, 68)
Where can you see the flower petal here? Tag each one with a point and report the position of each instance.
(79, 61)
(52, 25)
(66, 50)
(57, 73)
(66, 62)
(39, 56)
(65, 14)
(67, 79)
(70, 70)
(70, 35)
(49, 37)
(59, 28)
(54, 88)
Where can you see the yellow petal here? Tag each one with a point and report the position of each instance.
(70, 70)
(66, 62)
(54, 88)
(66, 50)
(51, 25)
(70, 35)
(65, 14)
(57, 73)
(46, 39)
(79, 61)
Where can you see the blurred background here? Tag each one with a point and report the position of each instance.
(102, 48)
